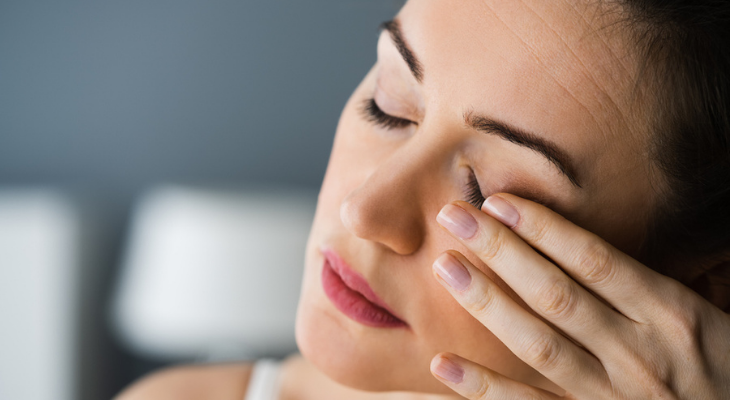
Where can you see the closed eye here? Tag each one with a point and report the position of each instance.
(378, 117)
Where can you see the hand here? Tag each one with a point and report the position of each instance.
(615, 328)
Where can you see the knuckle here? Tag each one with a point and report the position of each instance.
(558, 300)
(652, 373)
(542, 354)
(483, 389)
(482, 302)
(655, 383)
(539, 229)
(684, 326)
(595, 263)
(492, 244)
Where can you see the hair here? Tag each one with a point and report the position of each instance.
(685, 48)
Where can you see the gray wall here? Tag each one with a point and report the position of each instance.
(118, 95)
(108, 98)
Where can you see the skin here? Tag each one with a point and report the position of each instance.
(556, 69)
(587, 322)
(612, 328)
(541, 66)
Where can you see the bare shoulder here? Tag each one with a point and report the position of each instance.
(209, 381)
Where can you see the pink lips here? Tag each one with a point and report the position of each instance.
(352, 294)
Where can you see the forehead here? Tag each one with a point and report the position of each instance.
(561, 68)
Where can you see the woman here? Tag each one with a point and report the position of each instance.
(611, 114)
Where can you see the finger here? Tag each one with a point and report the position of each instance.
(476, 382)
(528, 337)
(543, 286)
(591, 261)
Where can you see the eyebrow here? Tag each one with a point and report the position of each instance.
(396, 34)
(526, 139)
(549, 150)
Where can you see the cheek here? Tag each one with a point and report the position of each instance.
(451, 328)
(446, 326)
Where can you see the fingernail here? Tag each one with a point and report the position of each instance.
(502, 210)
(447, 369)
(457, 221)
(452, 272)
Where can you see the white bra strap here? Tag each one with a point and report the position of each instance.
(264, 381)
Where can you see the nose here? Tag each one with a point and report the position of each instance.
(388, 206)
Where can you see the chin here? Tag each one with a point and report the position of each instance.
(361, 357)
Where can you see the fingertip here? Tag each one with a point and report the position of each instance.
(434, 361)
(452, 272)
(502, 210)
(446, 369)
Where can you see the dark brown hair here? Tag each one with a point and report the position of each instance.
(685, 46)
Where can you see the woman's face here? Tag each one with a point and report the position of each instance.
(534, 98)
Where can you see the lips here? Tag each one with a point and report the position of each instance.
(353, 296)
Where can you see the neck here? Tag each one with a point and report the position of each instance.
(302, 381)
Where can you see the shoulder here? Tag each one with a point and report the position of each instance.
(213, 381)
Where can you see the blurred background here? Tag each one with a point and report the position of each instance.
(159, 163)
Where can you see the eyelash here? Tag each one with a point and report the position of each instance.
(373, 114)
(473, 193)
